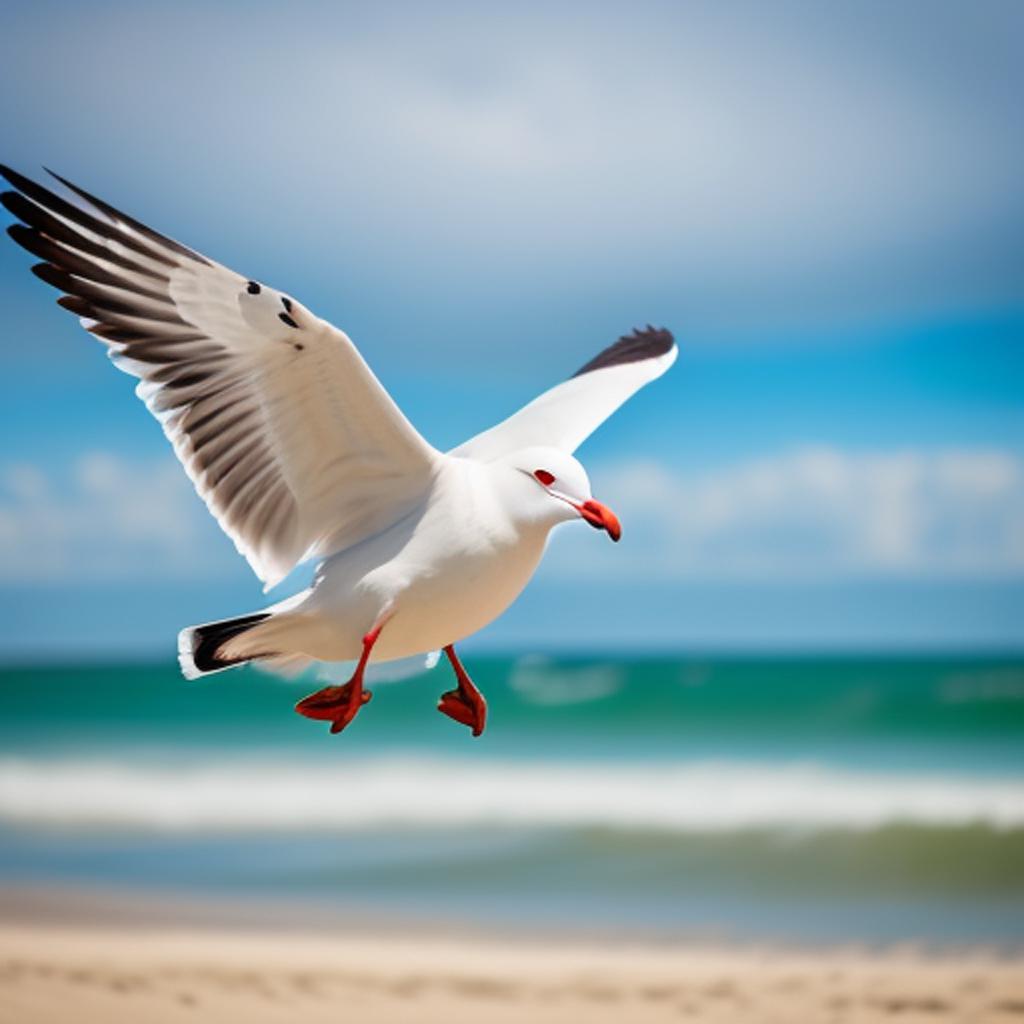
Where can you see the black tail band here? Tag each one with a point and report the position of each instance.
(208, 639)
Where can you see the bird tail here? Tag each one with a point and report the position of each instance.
(200, 647)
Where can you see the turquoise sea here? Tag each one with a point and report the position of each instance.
(803, 799)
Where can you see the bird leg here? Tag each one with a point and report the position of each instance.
(465, 704)
(340, 704)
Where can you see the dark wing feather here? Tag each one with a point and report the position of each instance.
(648, 343)
(287, 435)
(565, 415)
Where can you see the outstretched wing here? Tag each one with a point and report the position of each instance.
(567, 414)
(289, 438)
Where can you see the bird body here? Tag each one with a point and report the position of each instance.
(447, 569)
(300, 453)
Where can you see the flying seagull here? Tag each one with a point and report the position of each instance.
(300, 453)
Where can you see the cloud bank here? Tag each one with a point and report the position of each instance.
(106, 518)
(811, 512)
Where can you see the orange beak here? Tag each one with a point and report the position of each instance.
(601, 517)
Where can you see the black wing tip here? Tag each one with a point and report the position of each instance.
(18, 180)
(152, 244)
(22, 182)
(70, 185)
(26, 237)
(50, 274)
(644, 343)
(655, 336)
(13, 178)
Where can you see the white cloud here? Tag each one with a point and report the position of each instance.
(813, 512)
(810, 512)
(107, 518)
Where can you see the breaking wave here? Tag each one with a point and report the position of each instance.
(439, 793)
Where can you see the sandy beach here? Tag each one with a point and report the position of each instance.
(58, 972)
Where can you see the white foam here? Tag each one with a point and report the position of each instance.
(358, 794)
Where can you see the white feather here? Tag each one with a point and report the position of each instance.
(567, 414)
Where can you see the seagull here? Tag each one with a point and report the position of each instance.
(300, 453)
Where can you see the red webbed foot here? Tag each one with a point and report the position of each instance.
(455, 705)
(335, 704)
(465, 704)
(325, 704)
(340, 704)
(349, 712)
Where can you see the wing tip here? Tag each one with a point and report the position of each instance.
(642, 344)
(9, 175)
(109, 221)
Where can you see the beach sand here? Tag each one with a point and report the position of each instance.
(54, 972)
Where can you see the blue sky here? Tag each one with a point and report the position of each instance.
(823, 204)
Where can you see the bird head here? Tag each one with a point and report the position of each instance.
(556, 487)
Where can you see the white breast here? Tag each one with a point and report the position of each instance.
(446, 572)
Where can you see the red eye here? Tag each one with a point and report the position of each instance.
(546, 478)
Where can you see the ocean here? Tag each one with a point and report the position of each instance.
(805, 799)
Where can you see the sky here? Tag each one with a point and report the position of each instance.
(822, 202)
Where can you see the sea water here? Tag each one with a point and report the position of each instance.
(804, 799)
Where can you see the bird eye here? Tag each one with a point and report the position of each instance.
(546, 478)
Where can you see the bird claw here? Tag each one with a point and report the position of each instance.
(466, 709)
(340, 723)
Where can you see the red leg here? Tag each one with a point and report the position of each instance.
(340, 704)
(465, 704)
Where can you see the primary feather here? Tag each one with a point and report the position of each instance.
(286, 433)
(567, 414)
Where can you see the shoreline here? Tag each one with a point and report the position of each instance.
(123, 910)
(121, 961)
(51, 972)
